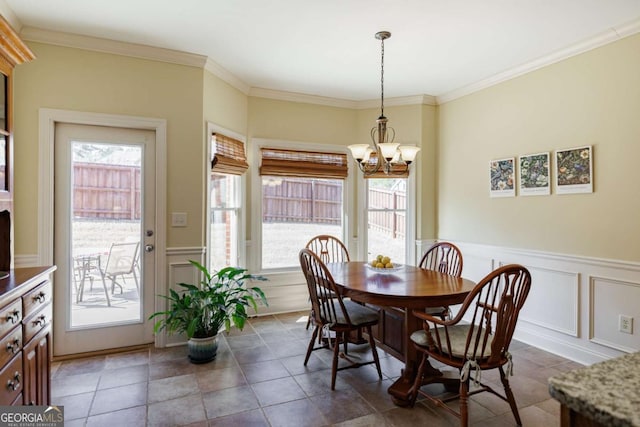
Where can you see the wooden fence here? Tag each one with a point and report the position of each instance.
(106, 191)
(309, 201)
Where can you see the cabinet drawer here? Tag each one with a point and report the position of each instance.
(11, 381)
(10, 316)
(37, 321)
(10, 345)
(36, 298)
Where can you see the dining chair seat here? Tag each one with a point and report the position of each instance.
(359, 315)
(458, 335)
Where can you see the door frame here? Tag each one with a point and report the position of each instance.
(46, 127)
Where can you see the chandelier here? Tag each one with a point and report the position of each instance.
(385, 155)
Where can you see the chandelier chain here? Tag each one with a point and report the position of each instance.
(382, 78)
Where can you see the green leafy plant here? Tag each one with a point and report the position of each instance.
(222, 298)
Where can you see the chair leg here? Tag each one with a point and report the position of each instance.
(510, 397)
(106, 291)
(464, 403)
(374, 350)
(113, 285)
(135, 279)
(309, 319)
(334, 365)
(311, 344)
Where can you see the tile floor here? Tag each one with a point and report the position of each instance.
(258, 379)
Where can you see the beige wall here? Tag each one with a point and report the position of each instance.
(593, 98)
(74, 79)
(224, 105)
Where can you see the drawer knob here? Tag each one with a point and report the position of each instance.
(13, 346)
(14, 384)
(40, 320)
(13, 317)
(41, 297)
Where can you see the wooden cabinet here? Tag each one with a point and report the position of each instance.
(25, 337)
(37, 369)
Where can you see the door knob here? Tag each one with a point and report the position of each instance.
(148, 248)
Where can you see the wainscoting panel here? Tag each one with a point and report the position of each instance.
(179, 270)
(611, 298)
(557, 292)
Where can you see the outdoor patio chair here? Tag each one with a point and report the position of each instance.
(121, 261)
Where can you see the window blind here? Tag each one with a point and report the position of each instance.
(308, 164)
(228, 155)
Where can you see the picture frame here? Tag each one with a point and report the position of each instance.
(535, 174)
(502, 178)
(574, 170)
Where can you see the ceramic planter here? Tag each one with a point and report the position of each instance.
(203, 350)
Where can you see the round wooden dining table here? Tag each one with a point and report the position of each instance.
(396, 292)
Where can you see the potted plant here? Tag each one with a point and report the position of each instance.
(222, 298)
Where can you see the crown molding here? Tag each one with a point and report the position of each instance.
(341, 103)
(398, 101)
(302, 98)
(112, 46)
(226, 76)
(609, 36)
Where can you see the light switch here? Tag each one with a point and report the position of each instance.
(178, 219)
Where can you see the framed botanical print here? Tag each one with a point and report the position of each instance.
(574, 170)
(502, 181)
(534, 170)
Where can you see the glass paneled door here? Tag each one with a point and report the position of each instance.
(104, 226)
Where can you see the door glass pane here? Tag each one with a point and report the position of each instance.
(387, 219)
(223, 247)
(293, 211)
(105, 234)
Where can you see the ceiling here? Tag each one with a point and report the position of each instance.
(327, 48)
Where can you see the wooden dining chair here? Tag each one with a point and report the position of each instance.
(446, 258)
(335, 316)
(329, 249)
(479, 344)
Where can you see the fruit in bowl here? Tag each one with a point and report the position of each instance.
(382, 261)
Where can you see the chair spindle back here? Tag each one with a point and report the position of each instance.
(444, 257)
(328, 248)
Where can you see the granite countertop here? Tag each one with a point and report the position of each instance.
(607, 392)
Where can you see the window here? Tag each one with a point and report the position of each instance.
(302, 196)
(387, 218)
(224, 221)
(225, 200)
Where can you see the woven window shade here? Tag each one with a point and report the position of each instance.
(397, 171)
(308, 164)
(229, 156)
